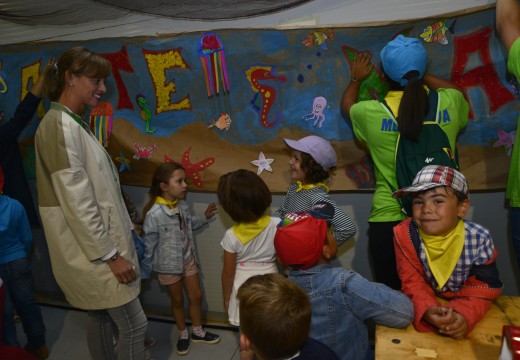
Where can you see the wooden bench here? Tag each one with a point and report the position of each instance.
(483, 342)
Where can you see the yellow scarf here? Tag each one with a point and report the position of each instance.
(310, 186)
(393, 100)
(171, 204)
(443, 252)
(245, 232)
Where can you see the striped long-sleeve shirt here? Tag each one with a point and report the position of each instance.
(303, 200)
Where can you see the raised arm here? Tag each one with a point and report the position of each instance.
(37, 89)
(508, 21)
(25, 110)
(434, 82)
(359, 71)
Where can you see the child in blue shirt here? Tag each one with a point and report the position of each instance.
(342, 300)
(15, 271)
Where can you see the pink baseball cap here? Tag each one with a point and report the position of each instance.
(320, 149)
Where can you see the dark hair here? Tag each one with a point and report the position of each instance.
(162, 174)
(314, 172)
(77, 61)
(275, 315)
(414, 104)
(243, 195)
(413, 107)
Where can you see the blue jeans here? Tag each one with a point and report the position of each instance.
(343, 301)
(514, 217)
(18, 282)
(131, 324)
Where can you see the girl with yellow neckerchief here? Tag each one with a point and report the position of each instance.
(248, 245)
(170, 250)
(441, 255)
(312, 163)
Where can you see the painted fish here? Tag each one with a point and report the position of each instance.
(318, 38)
(436, 33)
(223, 122)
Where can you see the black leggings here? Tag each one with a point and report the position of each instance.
(381, 249)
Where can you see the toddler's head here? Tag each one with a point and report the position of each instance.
(313, 159)
(243, 195)
(440, 197)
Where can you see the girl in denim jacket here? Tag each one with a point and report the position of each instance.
(170, 251)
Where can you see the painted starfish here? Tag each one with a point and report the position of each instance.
(125, 162)
(262, 163)
(193, 170)
(505, 139)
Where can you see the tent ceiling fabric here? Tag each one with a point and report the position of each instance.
(59, 12)
(204, 10)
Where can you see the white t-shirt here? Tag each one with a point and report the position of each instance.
(260, 249)
(257, 257)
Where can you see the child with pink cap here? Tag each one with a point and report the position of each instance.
(441, 255)
(312, 162)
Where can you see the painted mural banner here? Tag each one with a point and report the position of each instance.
(219, 101)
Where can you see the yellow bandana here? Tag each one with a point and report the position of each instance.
(310, 186)
(393, 100)
(443, 252)
(245, 232)
(171, 204)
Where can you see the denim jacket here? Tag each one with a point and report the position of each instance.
(163, 238)
(342, 301)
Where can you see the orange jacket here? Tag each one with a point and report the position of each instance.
(472, 301)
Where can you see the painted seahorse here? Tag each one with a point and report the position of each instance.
(255, 74)
(146, 114)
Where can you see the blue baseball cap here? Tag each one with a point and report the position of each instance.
(402, 55)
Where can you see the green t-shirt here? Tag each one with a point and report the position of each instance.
(513, 181)
(374, 126)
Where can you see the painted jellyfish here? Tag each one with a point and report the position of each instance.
(211, 53)
(318, 107)
(101, 122)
